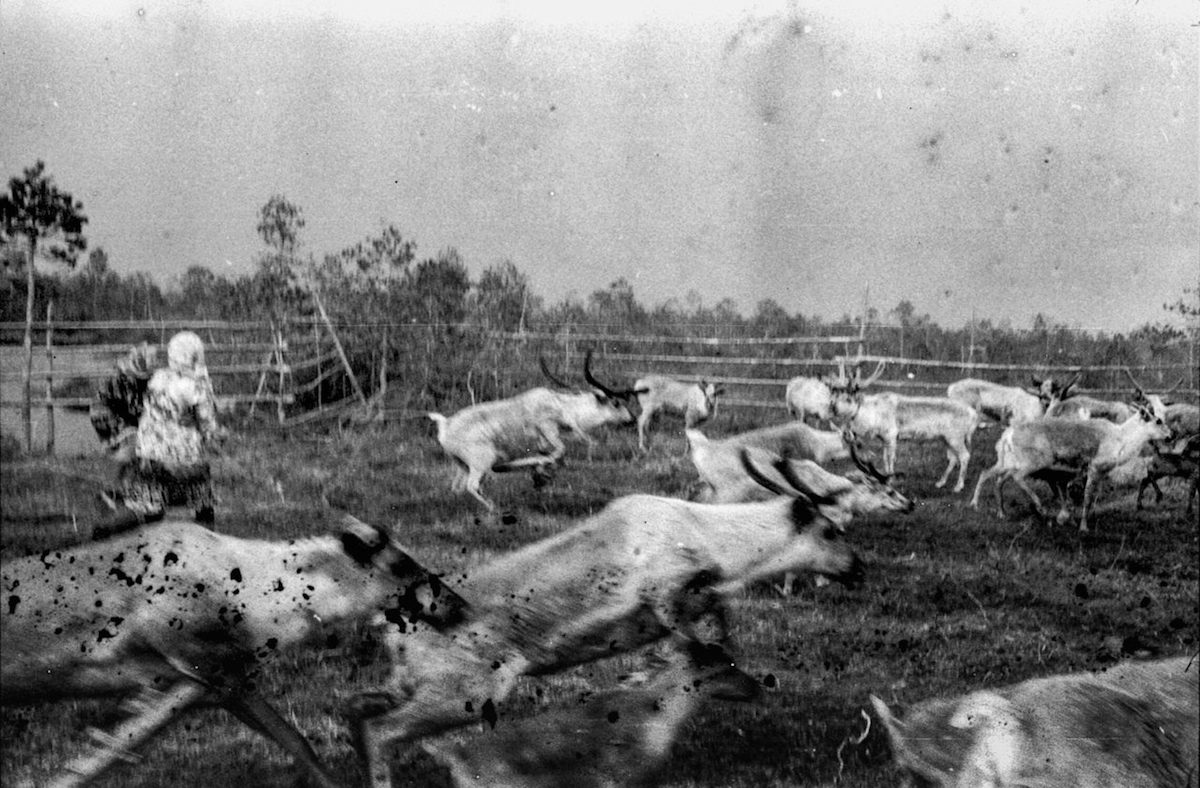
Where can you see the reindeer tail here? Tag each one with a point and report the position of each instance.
(440, 421)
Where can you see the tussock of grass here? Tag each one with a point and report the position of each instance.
(955, 599)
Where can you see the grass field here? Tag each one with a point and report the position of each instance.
(954, 600)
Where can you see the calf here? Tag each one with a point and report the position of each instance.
(1071, 446)
(185, 616)
(1132, 725)
(891, 416)
(1179, 461)
(642, 569)
(696, 402)
(523, 431)
(619, 737)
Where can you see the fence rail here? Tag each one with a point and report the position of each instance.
(303, 366)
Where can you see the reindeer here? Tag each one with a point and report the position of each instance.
(719, 465)
(1004, 404)
(1066, 404)
(1181, 417)
(696, 402)
(642, 569)
(619, 737)
(890, 417)
(177, 616)
(1179, 461)
(717, 460)
(1133, 724)
(523, 431)
(811, 399)
(1070, 446)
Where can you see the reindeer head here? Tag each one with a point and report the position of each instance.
(876, 492)
(818, 517)
(414, 591)
(614, 400)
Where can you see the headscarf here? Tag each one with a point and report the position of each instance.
(138, 364)
(185, 355)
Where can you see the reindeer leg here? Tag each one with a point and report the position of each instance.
(474, 480)
(951, 458)
(643, 424)
(1019, 478)
(983, 477)
(964, 459)
(455, 689)
(152, 712)
(261, 716)
(1089, 493)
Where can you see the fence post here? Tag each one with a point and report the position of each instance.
(262, 379)
(49, 379)
(279, 361)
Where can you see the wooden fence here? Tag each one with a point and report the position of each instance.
(756, 379)
(255, 365)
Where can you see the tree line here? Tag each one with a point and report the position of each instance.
(399, 314)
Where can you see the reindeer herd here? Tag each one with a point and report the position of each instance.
(173, 616)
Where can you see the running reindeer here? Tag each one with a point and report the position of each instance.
(1064, 448)
(523, 431)
(1132, 724)
(619, 737)
(174, 615)
(643, 569)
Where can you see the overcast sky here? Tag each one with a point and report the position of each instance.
(998, 157)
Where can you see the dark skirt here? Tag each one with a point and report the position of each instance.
(150, 488)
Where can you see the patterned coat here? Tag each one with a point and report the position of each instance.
(178, 422)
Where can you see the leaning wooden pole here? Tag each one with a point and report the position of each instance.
(337, 343)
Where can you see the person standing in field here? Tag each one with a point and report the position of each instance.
(176, 436)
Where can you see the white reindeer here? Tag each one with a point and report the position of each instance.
(890, 416)
(721, 471)
(717, 459)
(523, 431)
(696, 402)
(642, 569)
(1182, 418)
(1057, 445)
(615, 738)
(1132, 724)
(1065, 403)
(178, 616)
(810, 400)
(1005, 404)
